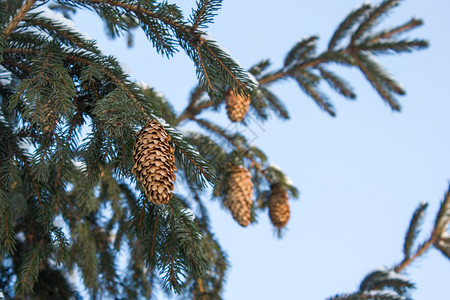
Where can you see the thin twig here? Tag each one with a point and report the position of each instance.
(201, 12)
(204, 68)
(408, 26)
(18, 17)
(375, 84)
(238, 147)
(407, 261)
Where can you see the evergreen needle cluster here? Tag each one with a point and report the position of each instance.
(68, 121)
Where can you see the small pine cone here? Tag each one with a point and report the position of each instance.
(50, 118)
(279, 211)
(240, 192)
(154, 162)
(237, 106)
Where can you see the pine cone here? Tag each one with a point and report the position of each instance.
(154, 162)
(237, 106)
(240, 192)
(279, 211)
(50, 117)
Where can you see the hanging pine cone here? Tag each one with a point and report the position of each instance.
(279, 211)
(50, 117)
(154, 162)
(237, 106)
(240, 192)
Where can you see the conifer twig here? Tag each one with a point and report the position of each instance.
(438, 229)
(422, 249)
(203, 67)
(35, 185)
(200, 13)
(25, 277)
(237, 146)
(384, 94)
(116, 80)
(403, 28)
(140, 10)
(18, 16)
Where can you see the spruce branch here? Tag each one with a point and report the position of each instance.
(337, 83)
(58, 31)
(20, 14)
(242, 149)
(347, 24)
(413, 230)
(384, 280)
(29, 270)
(441, 224)
(7, 241)
(443, 217)
(206, 55)
(388, 47)
(62, 81)
(387, 34)
(204, 13)
(31, 175)
(374, 80)
(443, 245)
(321, 99)
(372, 18)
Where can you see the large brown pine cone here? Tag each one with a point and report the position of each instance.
(154, 162)
(279, 211)
(240, 192)
(237, 106)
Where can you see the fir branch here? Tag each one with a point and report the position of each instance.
(257, 69)
(441, 223)
(302, 50)
(443, 245)
(385, 279)
(30, 174)
(386, 34)
(193, 107)
(372, 18)
(275, 104)
(389, 47)
(347, 24)
(286, 72)
(141, 10)
(114, 78)
(13, 63)
(413, 230)
(7, 241)
(61, 246)
(59, 31)
(189, 158)
(419, 252)
(29, 270)
(204, 69)
(248, 84)
(374, 80)
(313, 92)
(204, 13)
(234, 139)
(443, 217)
(18, 17)
(337, 83)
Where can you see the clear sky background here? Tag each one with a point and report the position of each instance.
(361, 174)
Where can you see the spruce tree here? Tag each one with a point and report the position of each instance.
(88, 158)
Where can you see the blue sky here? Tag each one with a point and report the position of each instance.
(361, 174)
